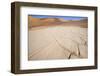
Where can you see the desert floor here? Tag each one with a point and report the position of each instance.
(57, 42)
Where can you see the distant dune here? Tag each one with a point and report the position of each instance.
(50, 19)
(34, 22)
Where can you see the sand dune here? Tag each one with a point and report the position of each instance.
(35, 22)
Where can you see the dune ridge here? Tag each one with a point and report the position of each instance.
(34, 22)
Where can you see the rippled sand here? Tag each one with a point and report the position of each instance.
(57, 42)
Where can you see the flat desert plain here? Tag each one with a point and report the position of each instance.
(51, 39)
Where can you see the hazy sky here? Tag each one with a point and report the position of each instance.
(64, 17)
